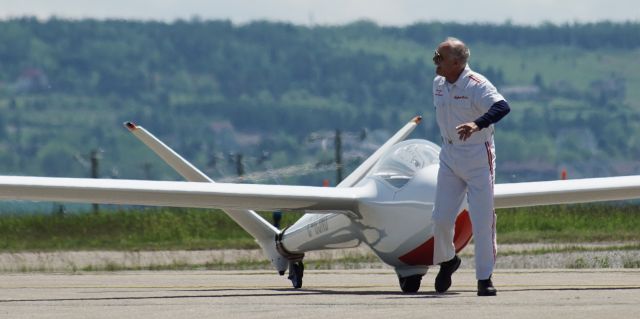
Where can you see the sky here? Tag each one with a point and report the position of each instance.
(333, 12)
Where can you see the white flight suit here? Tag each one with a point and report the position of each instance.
(466, 168)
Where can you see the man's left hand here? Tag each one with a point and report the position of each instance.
(465, 130)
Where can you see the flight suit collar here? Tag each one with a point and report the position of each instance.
(463, 76)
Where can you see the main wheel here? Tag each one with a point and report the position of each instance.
(410, 284)
(296, 271)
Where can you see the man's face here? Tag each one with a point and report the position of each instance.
(445, 63)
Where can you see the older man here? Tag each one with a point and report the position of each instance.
(467, 105)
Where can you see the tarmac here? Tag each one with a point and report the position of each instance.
(361, 293)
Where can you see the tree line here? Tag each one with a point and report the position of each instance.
(282, 81)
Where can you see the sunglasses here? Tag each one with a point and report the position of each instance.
(437, 58)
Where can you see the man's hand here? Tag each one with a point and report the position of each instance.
(465, 130)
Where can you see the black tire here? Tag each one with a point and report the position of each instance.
(410, 284)
(296, 271)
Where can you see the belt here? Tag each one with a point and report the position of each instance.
(446, 140)
(458, 142)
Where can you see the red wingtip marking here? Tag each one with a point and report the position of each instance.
(423, 254)
(130, 125)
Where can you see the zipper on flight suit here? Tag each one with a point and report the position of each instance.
(448, 108)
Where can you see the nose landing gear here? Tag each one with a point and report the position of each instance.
(296, 271)
(410, 284)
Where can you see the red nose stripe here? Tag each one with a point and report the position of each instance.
(463, 231)
(423, 254)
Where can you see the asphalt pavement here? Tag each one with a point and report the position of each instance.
(362, 293)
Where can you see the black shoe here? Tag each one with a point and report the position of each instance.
(485, 288)
(447, 268)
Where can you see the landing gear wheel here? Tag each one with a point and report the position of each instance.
(296, 271)
(410, 284)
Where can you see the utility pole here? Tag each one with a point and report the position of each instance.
(93, 164)
(13, 106)
(94, 173)
(338, 144)
(239, 166)
(146, 168)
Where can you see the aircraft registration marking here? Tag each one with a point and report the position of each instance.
(318, 227)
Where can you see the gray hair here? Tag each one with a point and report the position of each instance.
(459, 50)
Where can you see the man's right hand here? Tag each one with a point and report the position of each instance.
(465, 130)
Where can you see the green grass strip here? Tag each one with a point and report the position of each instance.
(197, 229)
(569, 223)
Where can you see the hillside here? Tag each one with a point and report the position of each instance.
(209, 88)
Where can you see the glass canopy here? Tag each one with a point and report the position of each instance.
(402, 162)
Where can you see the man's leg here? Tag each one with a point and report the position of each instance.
(483, 218)
(449, 196)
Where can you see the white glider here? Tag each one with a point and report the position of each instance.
(385, 203)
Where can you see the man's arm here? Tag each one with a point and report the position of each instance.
(495, 113)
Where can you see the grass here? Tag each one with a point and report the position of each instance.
(144, 229)
(600, 262)
(618, 225)
(195, 229)
(570, 249)
(346, 262)
(631, 263)
(569, 223)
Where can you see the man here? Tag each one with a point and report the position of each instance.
(467, 105)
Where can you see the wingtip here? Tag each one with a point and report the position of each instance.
(130, 126)
(417, 119)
